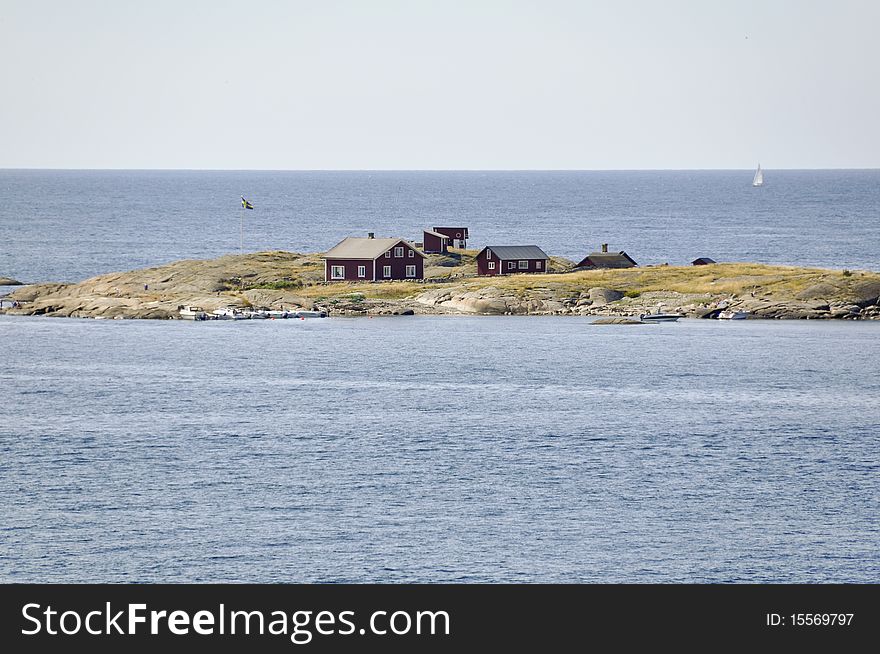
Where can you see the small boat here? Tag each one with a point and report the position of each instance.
(733, 315)
(192, 313)
(223, 314)
(307, 314)
(759, 177)
(660, 317)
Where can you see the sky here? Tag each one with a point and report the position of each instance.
(446, 84)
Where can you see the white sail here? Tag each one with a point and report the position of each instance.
(759, 177)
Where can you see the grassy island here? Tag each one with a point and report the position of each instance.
(286, 279)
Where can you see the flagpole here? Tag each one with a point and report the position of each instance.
(241, 230)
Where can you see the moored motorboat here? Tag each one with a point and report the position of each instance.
(191, 313)
(733, 315)
(223, 314)
(660, 317)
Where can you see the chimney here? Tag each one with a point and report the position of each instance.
(604, 247)
(371, 235)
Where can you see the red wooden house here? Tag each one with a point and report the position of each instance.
(373, 259)
(458, 236)
(510, 259)
(435, 242)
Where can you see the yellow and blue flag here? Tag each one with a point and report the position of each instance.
(245, 204)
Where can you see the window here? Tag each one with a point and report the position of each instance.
(337, 272)
(412, 253)
(511, 265)
(491, 265)
(362, 271)
(386, 271)
(398, 251)
(488, 254)
(523, 265)
(388, 254)
(410, 271)
(538, 265)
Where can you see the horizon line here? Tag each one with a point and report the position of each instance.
(421, 170)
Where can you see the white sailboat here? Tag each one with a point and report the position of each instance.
(759, 177)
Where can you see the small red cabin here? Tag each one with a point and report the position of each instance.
(435, 242)
(458, 236)
(373, 260)
(511, 259)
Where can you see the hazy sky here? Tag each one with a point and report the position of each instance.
(334, 84)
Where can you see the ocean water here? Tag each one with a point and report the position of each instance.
(70, 225)
(439, 449)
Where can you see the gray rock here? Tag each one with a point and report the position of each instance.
(817, 291)
(865, 293)
(600, 295)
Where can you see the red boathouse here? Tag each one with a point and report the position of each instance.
(435, 242)
(511, 259)
(371, 259)
(458, 236)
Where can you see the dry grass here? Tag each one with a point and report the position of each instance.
(304, 273)
(718, 279)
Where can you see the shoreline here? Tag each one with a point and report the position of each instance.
(287, 280)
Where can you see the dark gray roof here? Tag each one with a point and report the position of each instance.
(608, 260)
(505, 252)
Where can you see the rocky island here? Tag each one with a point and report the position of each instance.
(286, 280)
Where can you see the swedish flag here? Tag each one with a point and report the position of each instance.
(245, 204)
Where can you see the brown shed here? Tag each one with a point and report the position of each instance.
(511, 259)
(458, 236)
(435, 242)
(606, 259)
(373, 259)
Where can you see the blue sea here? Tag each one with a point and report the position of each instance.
(437, 449)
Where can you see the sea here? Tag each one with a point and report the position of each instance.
(437, 448)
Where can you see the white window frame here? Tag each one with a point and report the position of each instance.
(491, 265)
(538, 264)
(362, 272)
(412, 253)
(388, 254)
(511, 265)
(488, 254)
(411, 271)
(386, 272)
(398, 252)
(334, 270)
(523, 265)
